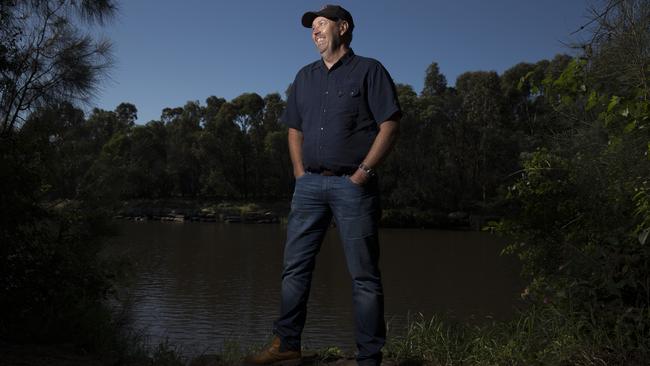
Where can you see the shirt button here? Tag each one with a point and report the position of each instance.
(321, 128)
(324, 110)
(326, 92)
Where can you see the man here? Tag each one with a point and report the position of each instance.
(342, 113)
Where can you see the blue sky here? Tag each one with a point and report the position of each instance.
(170, 52)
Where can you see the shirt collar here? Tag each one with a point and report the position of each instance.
(344, 60)
(347, 57)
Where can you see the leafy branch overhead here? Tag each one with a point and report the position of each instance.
(45, 58)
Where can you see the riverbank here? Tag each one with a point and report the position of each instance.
(181, 210)
(161, 355)
(38, 354)
(540, 335)
(269, 212)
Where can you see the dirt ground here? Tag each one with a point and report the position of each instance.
(68, 355)
(44, 355)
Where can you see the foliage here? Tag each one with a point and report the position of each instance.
(435, 83)
(52, 282)
(431, 340)
(165, 354)
(458, 146)
(580, 215)
(43, 57)
(329, 354)
(540, 335)
(224, 150)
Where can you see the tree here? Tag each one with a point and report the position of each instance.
(488, 154)
(147, 171)
(620, 48)
(127, 113)
(435, 83)
(248, 112)
(60, 136)
(213, 105)
(44, 60)
(400, 171)
(52, 280)
(580, 213)
(183, 127)
(273, 159)
(249, 108)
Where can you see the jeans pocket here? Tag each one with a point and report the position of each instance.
(306, 173)
(348, 178)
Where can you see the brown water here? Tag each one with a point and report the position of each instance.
(200, 284)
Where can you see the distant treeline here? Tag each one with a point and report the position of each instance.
(458, 145)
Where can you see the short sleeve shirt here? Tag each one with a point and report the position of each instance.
(339, 110)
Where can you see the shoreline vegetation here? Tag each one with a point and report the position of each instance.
(273, 212)
(537, 336)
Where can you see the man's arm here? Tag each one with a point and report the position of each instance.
(295, 151)
(384, 142)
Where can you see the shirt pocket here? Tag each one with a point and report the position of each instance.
(349, 97)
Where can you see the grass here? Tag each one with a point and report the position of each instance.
(536, 336)
(539, 335)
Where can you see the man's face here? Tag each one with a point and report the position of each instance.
(325, 34)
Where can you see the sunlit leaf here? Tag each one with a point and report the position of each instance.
(592, 101)
(643, 236)
(630, 127)
(613, 102)
(625, 112)
(534, 89)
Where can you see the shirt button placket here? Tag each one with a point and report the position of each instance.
(322, 129)
(324, 119)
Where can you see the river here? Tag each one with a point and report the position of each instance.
(199, 285)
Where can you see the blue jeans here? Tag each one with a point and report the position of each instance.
(356, 209)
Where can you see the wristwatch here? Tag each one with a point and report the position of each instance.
(366, 169)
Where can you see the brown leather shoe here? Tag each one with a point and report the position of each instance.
(273, 356)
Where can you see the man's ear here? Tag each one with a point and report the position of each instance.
(343, 27)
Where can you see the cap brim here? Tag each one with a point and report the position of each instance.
(308, 19)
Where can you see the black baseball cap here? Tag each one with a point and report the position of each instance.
(331, 12)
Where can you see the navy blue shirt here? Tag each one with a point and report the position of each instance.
(339, 110)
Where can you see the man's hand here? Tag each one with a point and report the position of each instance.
(380, 148)
(298, 174)
(359, 177)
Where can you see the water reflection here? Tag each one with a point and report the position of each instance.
(201, 284)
